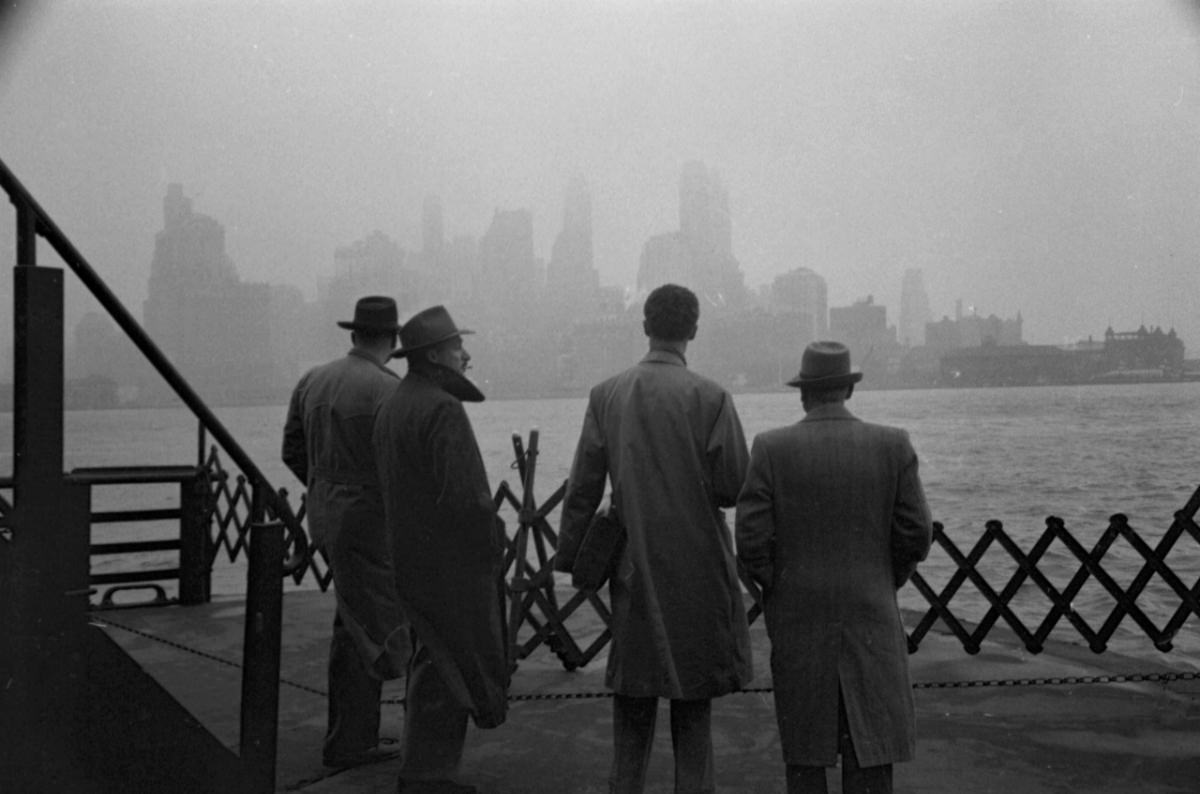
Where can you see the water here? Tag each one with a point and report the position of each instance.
(1017, 455)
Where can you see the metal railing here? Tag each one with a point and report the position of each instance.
(34, 222)
(190, 543)
(45, 603)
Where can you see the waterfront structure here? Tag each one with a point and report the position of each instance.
(863, 328)
(971, 330)
(1131, 356)
(1143, 350)
(914, 308)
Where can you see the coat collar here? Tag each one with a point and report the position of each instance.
(453, 383)
(828, 412)
(365, 356)
(664, 357)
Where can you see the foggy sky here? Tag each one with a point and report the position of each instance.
(1040, 157)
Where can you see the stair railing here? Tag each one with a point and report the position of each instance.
(263, 641)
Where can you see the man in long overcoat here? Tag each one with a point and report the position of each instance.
(831, 521)
(447, 544)
(327, 445)
(671, 443)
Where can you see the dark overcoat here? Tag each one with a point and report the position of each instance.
(447, 544)
(831, 520)
(672, 445)
(327, 445)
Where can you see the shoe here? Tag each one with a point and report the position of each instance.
(433, 787)
(371, 756)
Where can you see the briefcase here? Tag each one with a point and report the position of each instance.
(599, 552)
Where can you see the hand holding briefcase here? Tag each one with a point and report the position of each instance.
(599, 552)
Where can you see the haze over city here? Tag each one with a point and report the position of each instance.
(1028, 157)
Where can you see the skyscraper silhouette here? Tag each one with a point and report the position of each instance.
(914, 308)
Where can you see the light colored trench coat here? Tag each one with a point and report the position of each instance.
(327, 445)
(672, 444)
(831, 521)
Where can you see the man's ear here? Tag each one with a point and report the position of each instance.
(692, 335)
(431, 355)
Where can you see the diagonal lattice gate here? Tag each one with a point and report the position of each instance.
(1028, 602)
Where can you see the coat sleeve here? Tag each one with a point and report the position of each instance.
(912, 527)
(755, 522)
(727, 454)
(585, 489)
(460, 482)
(295, 449)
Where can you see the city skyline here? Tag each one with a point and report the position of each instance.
(1026, 157)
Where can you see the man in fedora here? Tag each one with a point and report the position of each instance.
(671, 444)
(448, 548)
(831, 521)
(327, 445)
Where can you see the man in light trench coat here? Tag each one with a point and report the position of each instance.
(831, 521)
(672, 445)
(327, 445)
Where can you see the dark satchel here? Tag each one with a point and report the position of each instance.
(599, 551)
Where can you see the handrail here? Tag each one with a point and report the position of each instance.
(47, 229)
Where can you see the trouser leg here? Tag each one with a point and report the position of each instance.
(353, 724)
(435, 723)
(806, 779)
(691, 738)
(633, 738)
(859, 779)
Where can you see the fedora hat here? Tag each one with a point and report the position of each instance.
(826, 364)
(374, 313)
(427, 328)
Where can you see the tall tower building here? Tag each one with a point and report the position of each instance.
(507, 266)
(572, 270)
(213, 326)
(914, 308)
(801, 290)
(703, 246)
(433, 233)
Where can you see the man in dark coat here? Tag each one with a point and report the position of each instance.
(447, 545)
(671, 443)
(831, 521)
(327, 445)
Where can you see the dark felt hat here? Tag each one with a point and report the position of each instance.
(826, 365)
(374, 313)
(427, 328)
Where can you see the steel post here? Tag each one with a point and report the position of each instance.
(195, 543)
(260, 674)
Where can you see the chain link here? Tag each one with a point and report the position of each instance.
(104, 621)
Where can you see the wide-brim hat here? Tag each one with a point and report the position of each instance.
(427, 328)
(374, 313)
(826, 365)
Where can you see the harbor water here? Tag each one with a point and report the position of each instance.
(1016, 455)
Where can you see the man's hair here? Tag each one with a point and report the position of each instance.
(823, 395)
(368, 336)
(671, 312)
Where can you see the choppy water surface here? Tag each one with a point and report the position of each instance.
(1016, 455)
